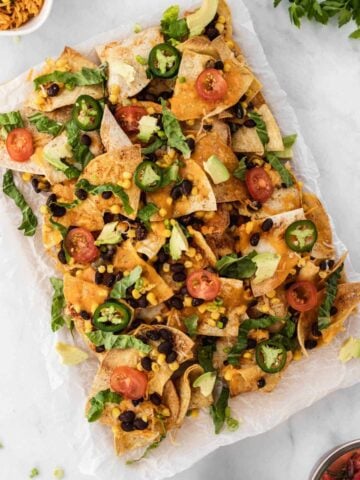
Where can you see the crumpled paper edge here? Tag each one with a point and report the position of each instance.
(258, 413)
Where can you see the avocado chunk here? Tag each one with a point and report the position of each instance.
(178, 242)
(216, 169)
(350, 350)
(266, 264)
(147, 128)
(109, 235)
(56, 150)
(69, 354)
(206, 383)
(288, 142)
(198, 20)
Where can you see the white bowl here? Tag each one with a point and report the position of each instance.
(32, 24)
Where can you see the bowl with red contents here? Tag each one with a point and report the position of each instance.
(341, 463)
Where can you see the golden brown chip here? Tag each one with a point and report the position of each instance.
(170, 398)
(112, 135)
(83, 295)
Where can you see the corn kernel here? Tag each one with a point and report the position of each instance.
(301, 262)
(171, 153)
(93, 307)
(166, 412)
(228, 375)
(115, 89)
(241, 310)
(166, 268)
(247, 355)
(126, 273)
(188, 264)
(227, 67)
(144, 418)
(187, 301)
(26, 177)
(264, 308)
(202, 308)
(209, 215)
(127, 176)
(322, 274)
(191, 123)
(131, 233)
(161, 359)
(191, 252)
(173, 366)
(275, 301)
(126, 184)
(211, 323)
(169, 201)
(198, 257)
(219, 27)
(101, 269)
(115, 209)
(167, 233)
(267, 167)
(297, 355)
(249, 227)
(194, 191)
(271, 294)
(150, 110)
(221, 19)
(110, 268)
(43, 209)
(194, 412)
(173, 222)
(87, 327)
(215, 315)
(115, 412)
(162, 212)
(155, 367)
(230, 44)
(78, 273)
(136, 294)
(292, 271)
(113, 99)
(150, 297)
(77, 308)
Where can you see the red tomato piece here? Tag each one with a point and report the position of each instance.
(203, 284)
(80, 244)
(302, 296)
(259, 184)
(129, 117)
(211, 85)
(129, 382)
(19, 144)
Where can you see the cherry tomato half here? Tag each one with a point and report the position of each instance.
(302, 296)
(79, 243)
(211, 85)
(129, 382)
(259, 184)
(19, 144)
(203, 284)
(128, 117)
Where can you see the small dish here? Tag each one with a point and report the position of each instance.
(33, 24)
(331, 456)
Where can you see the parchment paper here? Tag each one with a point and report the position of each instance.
(303, 383)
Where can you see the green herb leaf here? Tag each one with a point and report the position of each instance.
(120, 287)
(44, 124)
(34, 473)
(86, 76)
(29, 221)
(97, 403)
(81, 153)
(9, 121)
(173, 132)
(231, 266)
(205, 355)
(240, 170)
(58, 318)
(289, 140)
(171, 26)
(110, 341)
(349, 350)
(106, 187)
(58, 226)
(261, 129)
(218, 409)
(145, 214)
(331, 286)
(284, 173)
(191, 323)
(355, 34)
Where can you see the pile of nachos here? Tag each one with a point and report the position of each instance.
(189, 257)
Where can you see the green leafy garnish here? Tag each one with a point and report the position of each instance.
(145, 214)
(86, 76)
(34, 473)
(97, 403)
(173, 132)
(44, 124)
(58, 226)
(172, 26)
(232, 266)
(58, 318)
(109, 235)
(331, 286)
(81, 153)
(9, 121)
(106, 187)
(191, 323)
(261, 129)
(284, 173)
(205, 355)
(289, 140)
(240, 170)
(120, 287)
(29, 221)
(221, 413)
(321, 12)
(110, 341)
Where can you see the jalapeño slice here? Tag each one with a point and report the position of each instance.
(270, 356)
(301, 235)
(148, 176)
(87, 113)
(164, 61)
(112, 317)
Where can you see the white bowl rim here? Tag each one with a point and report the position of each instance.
(33, 24)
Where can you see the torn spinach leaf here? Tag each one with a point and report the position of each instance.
(58, 318)
(284, 173)
(9, 121)
(86, 76)
(331, 286)
(110, 341)
(44, 124)
(173, 132)
(232, 266)
(99, 401)
(261, 129)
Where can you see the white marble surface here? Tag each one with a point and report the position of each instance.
(319, 69)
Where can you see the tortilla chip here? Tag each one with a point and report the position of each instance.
(109, 168)
(253, 90)
(282, 200)
(205, 250)
(126, 259)
(186, 103)
(74, 62)
(233, 189)
(83, 295)
(203, 200)
(112, 135)
(199, 44)
(171, 399)
(218, 222)
(125, 52)
(315, 211)
(154, 240)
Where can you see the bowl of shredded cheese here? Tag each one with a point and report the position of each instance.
(20, 17)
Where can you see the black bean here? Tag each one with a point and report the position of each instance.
(316, 332)
(62, 256)
(190, 143)
(179, 277)
(166, 334)
(136, 323)
(127, 416)
(52, 90)
(224, 320)
(234, 127)
(171, 357)
(253, 312)
(254, 239)
(107, 255)
(106, 195)
(139, 424)
(165, 95)
(254, 206)
(57, 210)
(196, 302)
(176, 192)
(333, 310)
(183, 291)
(108, 279)
(234, 219)
(239, 110)
(99, 277)
(211, 32)
(142, 302)
(155, 398)
(243, 98)
(100, 349)
(267, 225)
(219, 65)
(132, 302)
(35, 184)
(249, 164)
(119, 276)
(261, 382)
(165, 347)
(323, 265)
(251, 343)
(146, 363)
(162, 256)
(186, 187)
(108, 217)
(85, 139)
(153, 335)
(142, 338)
(85, 315)
(127, 426)
(137, 401)
(141, 232)
(207, 127)
(175, 302)
(310, 344)
(250, 123)
(250, 107)
(331, 263)
(51, 199)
